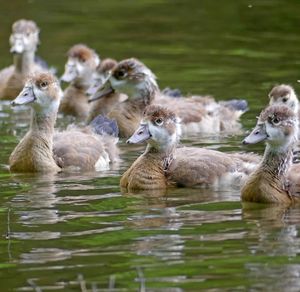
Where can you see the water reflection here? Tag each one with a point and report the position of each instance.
(38, 204)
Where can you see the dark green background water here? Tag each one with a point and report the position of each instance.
(68, 232)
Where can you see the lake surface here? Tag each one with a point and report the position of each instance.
(78, 232)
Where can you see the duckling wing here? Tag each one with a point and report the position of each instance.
(205, 167)
(78, 150)
(187, 109)
(293, 181)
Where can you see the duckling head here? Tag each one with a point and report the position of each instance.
(277, 125)
(42, 92)
(101, 75)
(284, 95)
(81, 64)
(160, 127)
(24, 37)
(131, 77)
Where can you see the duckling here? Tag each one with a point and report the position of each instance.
(163, 165)
(44, 150)
(275, 180)
(284, 95)
(139, 83)
(124, 78)
(24, 41)
(105, 104)
(82, 63)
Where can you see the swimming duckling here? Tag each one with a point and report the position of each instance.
(284, 95)
(24, 41)
(276, 179)
(139, 83)
(105, 104)
(124, 78)
(82, 63)
(43, 150)
(163, 164)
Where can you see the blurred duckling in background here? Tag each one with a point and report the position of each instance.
(105, 104)
(44, 150)
(198, 114)
(163, 164)
(284, 95)
(79, 69)
(123, 79)
(23, 41)
(276, 180)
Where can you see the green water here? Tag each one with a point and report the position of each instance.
(77, 232)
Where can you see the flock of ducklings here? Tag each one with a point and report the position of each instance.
(122, 99)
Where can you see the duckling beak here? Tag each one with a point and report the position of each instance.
(257, 135)
(26, 96)
(17, 45)
(102, 91)
(17, 49)
(140, 135)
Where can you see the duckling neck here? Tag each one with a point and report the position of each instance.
(43, 124)
(82, 83)
(24, 62)
(277, 161)
(164, 155)
(267, 183)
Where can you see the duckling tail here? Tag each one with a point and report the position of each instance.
(172, 92)
(103, 125)
(237, 104)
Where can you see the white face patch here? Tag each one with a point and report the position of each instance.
(290, 101)
(123, 86)
(83, 69)
(75, 69)
(276, 137)
(274, 133)
(161, 138)
(44, 104)
(20, 42)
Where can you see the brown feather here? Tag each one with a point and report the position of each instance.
(81, 52)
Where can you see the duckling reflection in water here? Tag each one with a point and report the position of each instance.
(81, 65)
(276, 180)
(23, 41)
(163, 164)
(44, 150)
(197, 114)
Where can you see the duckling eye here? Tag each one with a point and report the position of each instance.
(44, 84)
(120, 74)
(159, 121)
(276, 121)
